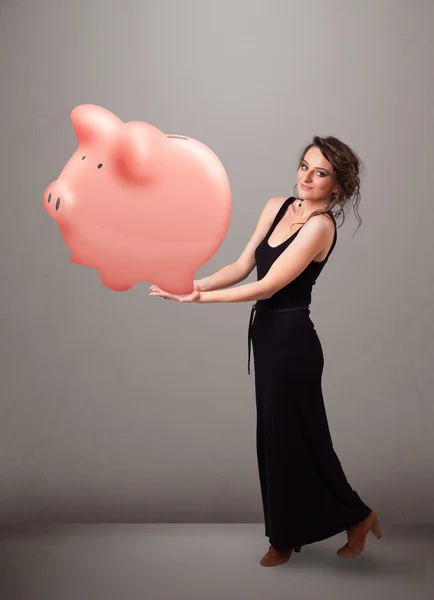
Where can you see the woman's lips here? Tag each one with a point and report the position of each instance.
(304, 187)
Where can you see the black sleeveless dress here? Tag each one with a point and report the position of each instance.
(305, 494)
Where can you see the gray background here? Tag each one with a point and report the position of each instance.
(121, 407)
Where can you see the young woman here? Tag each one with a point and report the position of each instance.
(305, 494)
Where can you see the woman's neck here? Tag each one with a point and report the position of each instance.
(302, 212)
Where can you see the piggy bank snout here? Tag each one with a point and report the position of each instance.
(55, 199)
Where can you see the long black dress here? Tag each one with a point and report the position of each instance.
(305, 494)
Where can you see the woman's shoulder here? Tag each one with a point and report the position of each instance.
(326, 217)
(276, 203)
(324, 223)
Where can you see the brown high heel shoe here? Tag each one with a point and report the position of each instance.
(357, 536)
(275, 557)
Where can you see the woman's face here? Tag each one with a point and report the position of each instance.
(317, 174)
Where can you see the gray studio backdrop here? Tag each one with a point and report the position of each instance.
(122, 407)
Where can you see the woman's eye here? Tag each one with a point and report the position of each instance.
(319, 172)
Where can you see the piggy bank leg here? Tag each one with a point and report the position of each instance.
(79, 261)
(176, 280)
(116, 280)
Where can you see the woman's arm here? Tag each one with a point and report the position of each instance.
(258, 290)
(313, 237)
(225, 277)
(239, 270)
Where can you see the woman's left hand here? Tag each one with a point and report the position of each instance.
(193, 297)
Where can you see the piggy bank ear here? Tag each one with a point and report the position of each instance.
(142, 151)
(93, 123)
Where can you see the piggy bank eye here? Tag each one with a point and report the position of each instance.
(83, 157)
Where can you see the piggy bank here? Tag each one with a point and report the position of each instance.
(137, 204)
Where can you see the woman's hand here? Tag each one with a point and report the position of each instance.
(193, 297)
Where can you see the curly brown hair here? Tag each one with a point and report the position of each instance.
(347, 166)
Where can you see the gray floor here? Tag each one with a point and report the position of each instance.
(206, 561)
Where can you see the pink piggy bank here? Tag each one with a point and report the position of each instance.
(137, 204)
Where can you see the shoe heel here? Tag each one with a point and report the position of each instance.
(376, 529)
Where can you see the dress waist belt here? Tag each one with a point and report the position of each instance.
(252, 315)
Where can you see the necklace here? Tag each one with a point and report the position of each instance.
(300, 200)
